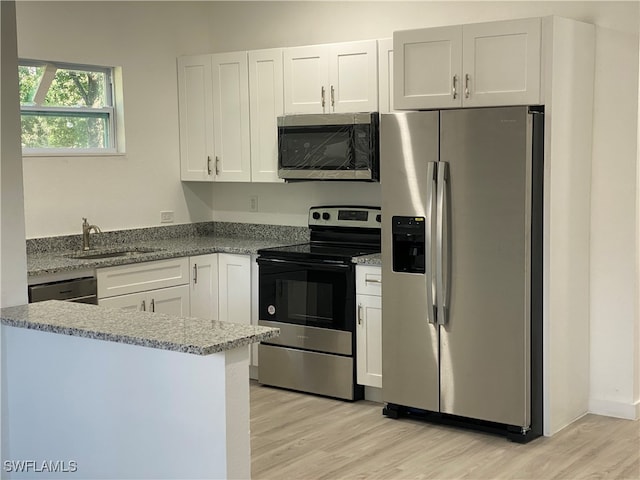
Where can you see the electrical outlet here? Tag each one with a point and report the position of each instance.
(253, 203)
(166, 217)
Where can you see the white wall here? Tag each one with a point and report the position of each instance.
(13, 274)
(614, 219)
(128, 191)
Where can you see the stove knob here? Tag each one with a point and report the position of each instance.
(316, 215)
(378, 218)
(326, 216)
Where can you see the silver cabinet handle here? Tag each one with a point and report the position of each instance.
(467, 79)
(209, 165)
(372, 280)
(428, 247)
(333, 98)
(144, 306)
(195, 273)
(360, 314)
(322, 95)
(455, 86)
(153, 305)
(442, 248)
(217, 165)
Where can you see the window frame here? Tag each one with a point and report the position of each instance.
(108, 110)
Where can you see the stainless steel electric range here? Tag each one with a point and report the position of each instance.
(308, 291)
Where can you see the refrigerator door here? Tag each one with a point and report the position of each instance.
(408, 152)
(485, 346)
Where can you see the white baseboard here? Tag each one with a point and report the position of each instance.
(373, 394)
(608, 408)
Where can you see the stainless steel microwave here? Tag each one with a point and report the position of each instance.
(336, 146)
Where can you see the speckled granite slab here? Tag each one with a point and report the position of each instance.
(153, 330)
(170, 232)
(54, 255)
(373, 259)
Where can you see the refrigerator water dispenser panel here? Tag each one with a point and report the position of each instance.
(408, 244)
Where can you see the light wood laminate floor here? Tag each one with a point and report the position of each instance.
(299, 436)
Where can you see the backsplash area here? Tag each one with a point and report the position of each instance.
(218, 229)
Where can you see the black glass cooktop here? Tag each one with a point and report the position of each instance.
(318, 250)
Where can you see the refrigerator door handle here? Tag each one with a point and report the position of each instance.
(442, 290)
(428, 246)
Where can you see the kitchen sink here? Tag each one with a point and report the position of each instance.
(110, 253)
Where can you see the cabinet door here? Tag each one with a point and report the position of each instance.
(195, 117)
(203, 288)
(353, 77)
(427, 68)
(234, 288)
(369, 340)
(231, 117)
(502, 63)
(170, 301)
(266, 103)
(305, 79)
(385, 75)
(133, 302)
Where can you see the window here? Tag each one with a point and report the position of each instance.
(66, 108)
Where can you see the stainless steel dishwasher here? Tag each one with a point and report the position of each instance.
(80, 290)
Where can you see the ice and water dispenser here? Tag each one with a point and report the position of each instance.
(408, 244)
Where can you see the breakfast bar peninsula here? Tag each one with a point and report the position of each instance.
(91, 392)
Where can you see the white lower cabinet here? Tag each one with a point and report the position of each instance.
(369, 325)
(215, 286)
(234, 288)
(221, 287)
(160, 286)
(203, 287)
(171, 301)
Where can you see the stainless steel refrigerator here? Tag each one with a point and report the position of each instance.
(462, 196)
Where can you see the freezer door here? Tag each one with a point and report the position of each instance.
(408, 152)
(485, 346)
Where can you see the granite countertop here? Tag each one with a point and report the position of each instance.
(154, 330)
(374, 259)
(58, 261)
(51, 257)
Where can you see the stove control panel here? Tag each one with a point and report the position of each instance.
(345, 216)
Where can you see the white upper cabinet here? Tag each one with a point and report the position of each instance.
(231, 117)
(196, 117)
(340, 77)
(486, 64)
(504, 65)
(213, 99)
(427, 67)
(385, 75)
(266, 103)
(353, 77)
(305, 79)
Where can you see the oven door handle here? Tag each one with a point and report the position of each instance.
(323, 265)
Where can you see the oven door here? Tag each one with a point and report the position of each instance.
(307, 294)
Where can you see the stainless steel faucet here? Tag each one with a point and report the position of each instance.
(86, 230)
